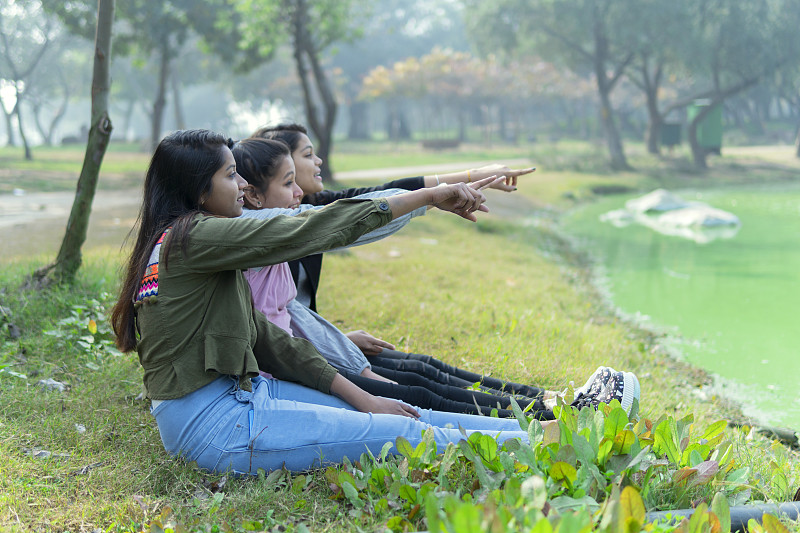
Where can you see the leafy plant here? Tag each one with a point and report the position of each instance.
(88, 331)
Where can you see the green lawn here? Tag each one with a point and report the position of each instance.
(504, 296)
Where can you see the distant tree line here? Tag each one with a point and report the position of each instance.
(437, 69)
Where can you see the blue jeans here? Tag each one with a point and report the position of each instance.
(224, 428)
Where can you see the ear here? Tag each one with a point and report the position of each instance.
(252, 198)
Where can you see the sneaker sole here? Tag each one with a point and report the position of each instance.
(630, 391)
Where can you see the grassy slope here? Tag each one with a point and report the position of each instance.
(493, 297)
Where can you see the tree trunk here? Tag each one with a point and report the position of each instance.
(21, 130)
(69, 256)
(359, 121)
(698, 152)
(127, 119)
(797, 142)
(161, 98)
(604, 88)
(47, 131)
(180, 121)
(11, 141)
(322, 126)
(613, 140)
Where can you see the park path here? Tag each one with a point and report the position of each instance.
(33, 223)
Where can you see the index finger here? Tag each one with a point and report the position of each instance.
(483, 182)
(521, 172)
(492, 181)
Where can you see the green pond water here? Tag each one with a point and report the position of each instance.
(733, 301)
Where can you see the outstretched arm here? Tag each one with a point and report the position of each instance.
(476, 174)
(458, 198)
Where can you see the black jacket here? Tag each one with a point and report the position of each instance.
(312, 264)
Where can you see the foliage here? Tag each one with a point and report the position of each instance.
(86, 331)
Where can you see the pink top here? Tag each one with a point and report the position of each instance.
(273, 288)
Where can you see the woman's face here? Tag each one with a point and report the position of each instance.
(307, 165)
(226, 196)
(282, 190)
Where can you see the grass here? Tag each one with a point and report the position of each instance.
(56, 168)
(504, 296)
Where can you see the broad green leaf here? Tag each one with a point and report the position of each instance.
(535, 433)
(575, 522)
(664, 442)
(467, 519)
(519, 415)
(404, 447)
(739, 476)
(634, 412)
(583, 450)
(699, 519)
(617, 463)
(585, 420)
(623, 442)
(567, 455)
(432, 517)
(534, 491)
(561, 471)
(552, 434)
(351, 494)
(639, 457)
(705, 472)
(385, 451)
(480, 470)
(753, 526)
(632, 505)
(543, 525)
(417, 454)
(720, 507)
(683, 425)
(299, 484)
(408, 493)
(615, 423)
(779, 483)
(448, 459)
(683, 474)
(772, 524)
(715, 432)
(564, 504)
(604, 450)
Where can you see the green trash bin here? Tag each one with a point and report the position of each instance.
(709, 130)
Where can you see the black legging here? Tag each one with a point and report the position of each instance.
(428, 385)
(441, 372)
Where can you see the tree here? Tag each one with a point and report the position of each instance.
(68, 260)
(26, 35)
(394, 31)
(661, 25)
(311, 29)
(736, 45)
(583, 35)
(52, 86)
(150, 31)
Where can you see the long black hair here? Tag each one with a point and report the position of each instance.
(258, 160)
(288, 133)
(177, 181)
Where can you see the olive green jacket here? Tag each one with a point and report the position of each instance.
(202, 323)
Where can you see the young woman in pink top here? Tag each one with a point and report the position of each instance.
(270, 173)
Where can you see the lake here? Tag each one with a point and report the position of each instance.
(732, 302)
